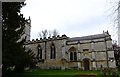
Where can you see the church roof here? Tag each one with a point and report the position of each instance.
(90, 37)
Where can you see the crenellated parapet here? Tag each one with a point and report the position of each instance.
(40, 40)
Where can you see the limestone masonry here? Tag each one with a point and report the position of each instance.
(61, 52)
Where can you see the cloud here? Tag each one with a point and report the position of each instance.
(70, 17)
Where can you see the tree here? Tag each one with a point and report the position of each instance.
(49, 33)
(55, 32)
(116, 49)
(40, 35)
(45, 33)
(13, 52)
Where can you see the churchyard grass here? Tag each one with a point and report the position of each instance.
(57, 73)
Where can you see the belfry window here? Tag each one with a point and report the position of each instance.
(39, 52)
(52, 52)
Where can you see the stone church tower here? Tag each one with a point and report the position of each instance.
(27, 30)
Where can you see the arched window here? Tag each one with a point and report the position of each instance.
(39, 54)
(73, 54)
(52, 52)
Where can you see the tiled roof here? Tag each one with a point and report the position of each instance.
(97, 36)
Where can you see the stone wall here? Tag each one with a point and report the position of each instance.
(94, 50)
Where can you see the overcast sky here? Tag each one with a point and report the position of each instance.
(74, 18)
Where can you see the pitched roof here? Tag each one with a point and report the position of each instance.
(90, 37)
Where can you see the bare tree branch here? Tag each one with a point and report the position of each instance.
(55, 32)
(40, 35)
(49, 33)
(45, 33)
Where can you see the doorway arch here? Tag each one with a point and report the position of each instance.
(86, 64)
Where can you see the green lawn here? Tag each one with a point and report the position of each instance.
(56, 73)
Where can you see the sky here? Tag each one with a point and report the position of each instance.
(75, 18)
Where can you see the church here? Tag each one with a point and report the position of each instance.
(91, 52)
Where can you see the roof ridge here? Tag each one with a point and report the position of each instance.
(89, 37)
